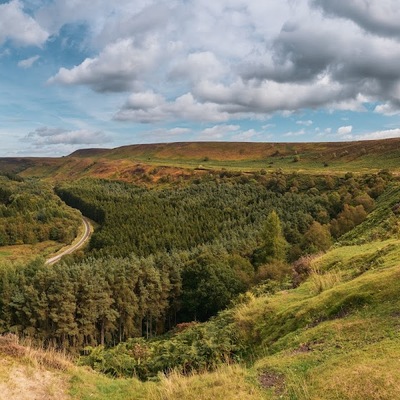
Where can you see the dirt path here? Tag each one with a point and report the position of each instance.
(70, 249)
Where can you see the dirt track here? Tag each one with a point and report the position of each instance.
(70, 249)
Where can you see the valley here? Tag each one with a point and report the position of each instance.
(213, 271)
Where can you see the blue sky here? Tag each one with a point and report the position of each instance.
(78, 74)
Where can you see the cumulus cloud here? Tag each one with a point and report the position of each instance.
(383, 134)
(46, 136)
(149, 108)
(345, 130)
(363, 65)
(268, 96)
(19, 27)
(116, 69)
(191, 55)
(388, 109)
(376, 16)
(28, 62)
(197, 66)
(217, 132)
(222, 61)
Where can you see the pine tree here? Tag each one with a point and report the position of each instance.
(274, 243)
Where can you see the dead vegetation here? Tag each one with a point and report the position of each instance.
(27, 373)
(11, 346)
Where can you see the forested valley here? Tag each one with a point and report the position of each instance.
(165, 256)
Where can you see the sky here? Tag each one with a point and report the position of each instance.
(100, 73)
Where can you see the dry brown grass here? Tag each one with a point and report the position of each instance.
(27, 252)
(12, 346)
(27, 373)
(227, 382)
(321, 281)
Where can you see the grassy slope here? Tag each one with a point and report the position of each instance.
(337, 336)
(128, 161)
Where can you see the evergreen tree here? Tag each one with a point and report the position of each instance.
(274, 243)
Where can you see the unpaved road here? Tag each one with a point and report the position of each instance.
(85, 237)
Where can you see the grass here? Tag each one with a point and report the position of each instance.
(121, 163)
(31, 373)
(227, 382)
(28, 252)
(87, 385)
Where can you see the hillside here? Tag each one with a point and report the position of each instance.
(335, 336)
(131, 163)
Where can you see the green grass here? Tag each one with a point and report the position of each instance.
(87, 385)
(343, 343)
(227, 382)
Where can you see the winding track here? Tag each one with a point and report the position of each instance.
(85, 237)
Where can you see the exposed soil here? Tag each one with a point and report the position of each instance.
(272, 380)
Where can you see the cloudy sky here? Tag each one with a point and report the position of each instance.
(100, 73)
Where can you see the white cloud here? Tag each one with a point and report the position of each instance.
(247, 136)
(345, 130)
(216, 62)
(193, 53)
(28, 62)
(304, 123)
(117, 68)
(217, 132)
(383, 134)
(19, 27)
(388, 109)
(269, 96)
(301, 132)
(149, 108)
(376, 16)
(46, 136)
(197, 66)
(144, 101)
